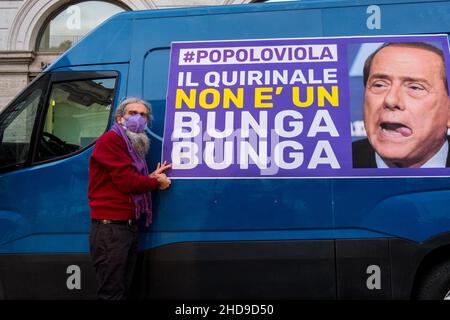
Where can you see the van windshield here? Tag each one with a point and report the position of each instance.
(17, 125)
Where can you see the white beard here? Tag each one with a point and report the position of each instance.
(139, 141)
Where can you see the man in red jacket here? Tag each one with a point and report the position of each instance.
(119, 193)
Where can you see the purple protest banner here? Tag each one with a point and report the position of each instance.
(290, 108)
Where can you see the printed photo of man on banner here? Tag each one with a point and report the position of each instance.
(406, 108)
(292, 108)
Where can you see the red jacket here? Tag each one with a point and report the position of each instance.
(112, 179)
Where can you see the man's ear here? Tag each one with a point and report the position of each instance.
(448, 113)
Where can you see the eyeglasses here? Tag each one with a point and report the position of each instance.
(132, 113)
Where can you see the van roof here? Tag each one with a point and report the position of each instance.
(254, 7)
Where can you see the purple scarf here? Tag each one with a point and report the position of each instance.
(142, 201)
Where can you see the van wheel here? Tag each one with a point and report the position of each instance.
(435, 284)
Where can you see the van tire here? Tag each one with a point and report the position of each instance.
(435, 283)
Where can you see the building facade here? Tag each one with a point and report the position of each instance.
(33, 33)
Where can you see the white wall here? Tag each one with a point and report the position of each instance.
(8, 10)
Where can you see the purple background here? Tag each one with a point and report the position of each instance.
(341, 115)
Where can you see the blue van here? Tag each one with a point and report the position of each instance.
(320, 238)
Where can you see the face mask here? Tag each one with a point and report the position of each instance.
(136, 123)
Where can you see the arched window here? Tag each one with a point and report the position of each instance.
(68, 26)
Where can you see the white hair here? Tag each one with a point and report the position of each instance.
(120, 111)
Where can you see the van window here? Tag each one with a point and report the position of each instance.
(156, 72)
(17, 123)
(78, 113)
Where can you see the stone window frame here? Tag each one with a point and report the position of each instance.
(33, 15)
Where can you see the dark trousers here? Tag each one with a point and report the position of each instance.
(113, 249)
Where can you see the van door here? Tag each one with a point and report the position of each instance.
(46, 139)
